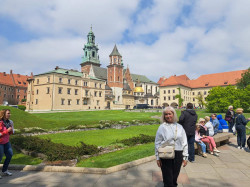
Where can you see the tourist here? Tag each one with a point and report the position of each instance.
(216, 124)
(223, 124)
(166, 136)
(229, 117)
(240, 125)
(6, 128)
(199, 142)
(188, 120)
(207, 139)
(209, 126)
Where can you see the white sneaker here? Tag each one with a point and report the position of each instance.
(7, 173)
(239, 147)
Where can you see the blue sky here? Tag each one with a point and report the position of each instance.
(155, 37)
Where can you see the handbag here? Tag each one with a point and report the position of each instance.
(168, 151)
(228, 118)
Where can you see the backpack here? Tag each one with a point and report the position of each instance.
(248, 142)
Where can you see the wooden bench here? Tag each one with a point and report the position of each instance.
(220, 138)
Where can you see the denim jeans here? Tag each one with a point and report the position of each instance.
(203, 146)
(7, 150)
(241, 135)
(190, 140)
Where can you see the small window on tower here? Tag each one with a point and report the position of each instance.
(86, 54)
(93, 53)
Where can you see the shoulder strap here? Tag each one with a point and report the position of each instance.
(175, 133)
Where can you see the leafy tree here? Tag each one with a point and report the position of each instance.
(245, 80)
(220, 98)
(200, 99)
(180, 99)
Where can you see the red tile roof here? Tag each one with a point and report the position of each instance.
(13, 79)
(209, 80)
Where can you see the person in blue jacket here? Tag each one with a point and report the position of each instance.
(240, 125)
(216, 124)
(223, 123)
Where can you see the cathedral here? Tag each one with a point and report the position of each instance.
(94, 87)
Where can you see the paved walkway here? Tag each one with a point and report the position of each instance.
(231, 168)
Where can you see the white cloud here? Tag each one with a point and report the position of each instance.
(213, 37)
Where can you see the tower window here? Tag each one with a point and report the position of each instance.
(86, 54)
(93, 53)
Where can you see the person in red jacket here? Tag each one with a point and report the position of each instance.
(6, 128)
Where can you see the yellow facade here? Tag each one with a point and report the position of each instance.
(54, 91)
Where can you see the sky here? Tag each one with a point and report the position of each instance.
(155, 37)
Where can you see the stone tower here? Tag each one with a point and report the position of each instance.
(115, 74)
(91, 56)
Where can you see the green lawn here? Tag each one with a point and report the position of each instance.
(19, 158)
(118, 157)
(101, 137)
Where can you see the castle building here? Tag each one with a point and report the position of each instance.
(94, 87)
(191, 89)
(13, 88)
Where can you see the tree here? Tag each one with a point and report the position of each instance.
(178, 96)
(200, 99)
(245, 80)
(220, 98)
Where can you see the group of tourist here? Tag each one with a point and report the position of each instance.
(6, 128)
(184, 134)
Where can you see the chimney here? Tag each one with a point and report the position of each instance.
(57, 67)
(31, 74)
(11, 71)
(4, 73)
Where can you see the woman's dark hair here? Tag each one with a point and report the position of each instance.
(190, 106)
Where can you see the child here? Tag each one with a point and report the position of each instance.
(199, 142)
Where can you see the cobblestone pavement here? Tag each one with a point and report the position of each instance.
(231, 168)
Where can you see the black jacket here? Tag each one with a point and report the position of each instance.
(241, 120)
(188, 120)
(203, 131)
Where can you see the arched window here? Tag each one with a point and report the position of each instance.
(118, 78)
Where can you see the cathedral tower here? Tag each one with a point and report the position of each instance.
(91, 56)
(115, 74)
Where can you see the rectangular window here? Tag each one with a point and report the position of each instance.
(76, 82)
(169, 98)
(193, 93)
(85, 101)
(48, 90)
(36, 101)
(68, 91)
(100, 94)
(59, 90)
(95, 94)
(193, 99)
(173, 91)
(18, 90)
(173, 97)
(69, 81)
(78, 101)
(164, 98)
(37, 91)
(60, 80)
(100, 85)
(86, 92)
(76, 91)
(69, 101)
(95, 85)
(205, 93)
(85, 84)
(62, 101)
(164, 91)
(48, 79)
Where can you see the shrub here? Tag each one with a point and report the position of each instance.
(21, 107)
(141, 139)
(52, 150)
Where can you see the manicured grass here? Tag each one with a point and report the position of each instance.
(19, 158)
(118, 157)
(101, 137)
(93, 117)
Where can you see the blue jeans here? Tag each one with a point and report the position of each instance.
(190, 140)
(203, 146)
(7, 150)
(241, 135)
